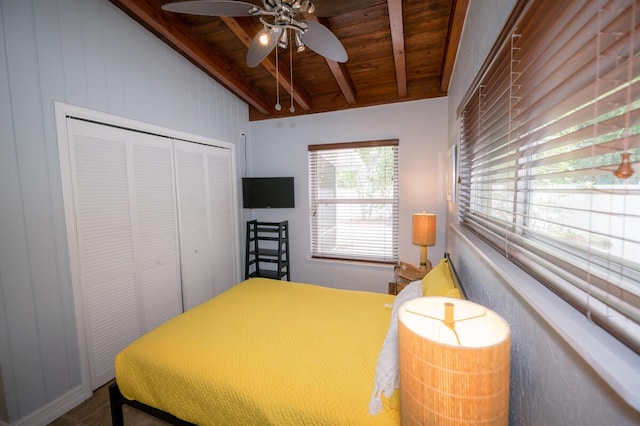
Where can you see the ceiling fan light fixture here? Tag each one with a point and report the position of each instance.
(264, 38)
(278, 17)
(300, 47)
(308, 6)
(283, 41)
(624, 171)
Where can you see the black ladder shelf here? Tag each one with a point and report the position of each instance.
(267, 251)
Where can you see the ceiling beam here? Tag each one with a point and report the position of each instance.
(396, 25)
(300, 95)
(211, 63)
(456, 22)
(343, 78)
(338, 69)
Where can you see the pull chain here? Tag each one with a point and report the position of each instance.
(278, 106)
(292, 109)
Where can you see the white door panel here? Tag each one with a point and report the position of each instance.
(105, 241)
(157, 228)
(193, 214)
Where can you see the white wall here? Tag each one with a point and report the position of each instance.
(279, 148)
(554, 381)
(90, 54)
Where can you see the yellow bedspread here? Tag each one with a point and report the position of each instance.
(265, 352)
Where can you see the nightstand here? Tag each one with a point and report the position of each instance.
(395, 288)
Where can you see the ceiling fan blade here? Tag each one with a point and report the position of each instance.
(258, 51)
(322, 41)
(210, 7)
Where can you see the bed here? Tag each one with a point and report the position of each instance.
(264, 352)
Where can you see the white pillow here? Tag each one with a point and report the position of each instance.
(387, 377)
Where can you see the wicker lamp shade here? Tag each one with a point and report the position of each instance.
(454, 363)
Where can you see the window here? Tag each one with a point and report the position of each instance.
(354, 201)
(542, 133)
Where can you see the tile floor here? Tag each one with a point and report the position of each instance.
(95, 411)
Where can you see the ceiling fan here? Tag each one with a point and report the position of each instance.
(279, 20)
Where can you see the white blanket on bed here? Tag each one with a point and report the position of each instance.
(387, 379)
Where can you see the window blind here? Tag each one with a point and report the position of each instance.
(542, 134)
(354, 201)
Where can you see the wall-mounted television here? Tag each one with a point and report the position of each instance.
(267, 193)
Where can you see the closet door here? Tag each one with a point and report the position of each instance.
(205, 206)
(124, 208)
(102, 196)
(222, 219)
(156, 225)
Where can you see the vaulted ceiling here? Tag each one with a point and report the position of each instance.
(399, 50)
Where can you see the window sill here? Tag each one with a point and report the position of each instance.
(613, 361)
(361, 263)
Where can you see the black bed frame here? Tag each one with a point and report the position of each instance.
(117, 400)
(454, 276)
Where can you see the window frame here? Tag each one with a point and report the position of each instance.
(359, 252)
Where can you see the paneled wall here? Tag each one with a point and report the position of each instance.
(86, 53)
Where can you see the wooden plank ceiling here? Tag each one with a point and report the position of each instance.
(399, 50)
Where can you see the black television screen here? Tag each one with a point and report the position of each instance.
(267, 193)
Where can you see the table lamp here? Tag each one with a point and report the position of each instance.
(423, 235)
(454, 363)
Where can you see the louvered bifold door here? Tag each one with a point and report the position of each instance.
(222, 221)
(194, 224)
(103, 209)
(156, 223)
(206, 221)
(126, 221)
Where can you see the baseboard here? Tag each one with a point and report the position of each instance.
(48, 413)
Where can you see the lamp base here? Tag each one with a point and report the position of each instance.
(425, 263)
